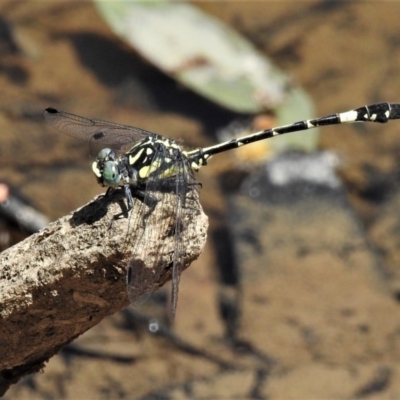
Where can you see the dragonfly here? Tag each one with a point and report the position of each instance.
(147, 165)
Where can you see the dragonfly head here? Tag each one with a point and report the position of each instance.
(106, 168)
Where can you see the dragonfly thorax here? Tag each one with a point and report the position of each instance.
(155, 157)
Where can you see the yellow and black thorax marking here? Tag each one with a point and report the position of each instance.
(156, 157)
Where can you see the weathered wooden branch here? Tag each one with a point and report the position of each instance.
(60, 282)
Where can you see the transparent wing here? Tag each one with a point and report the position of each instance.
(172, 195)
(185, 186)
(142, 278)
(100, 134)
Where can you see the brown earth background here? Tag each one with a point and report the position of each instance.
(320, 323)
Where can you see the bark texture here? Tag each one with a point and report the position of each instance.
(60, 282)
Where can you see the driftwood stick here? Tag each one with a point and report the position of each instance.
(60, 282)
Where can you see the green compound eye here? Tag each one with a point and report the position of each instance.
(105, 153)
(111, 175)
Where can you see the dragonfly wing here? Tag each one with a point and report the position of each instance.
(185, 186)
(100, 134)
(142, 277)
(172, 194)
